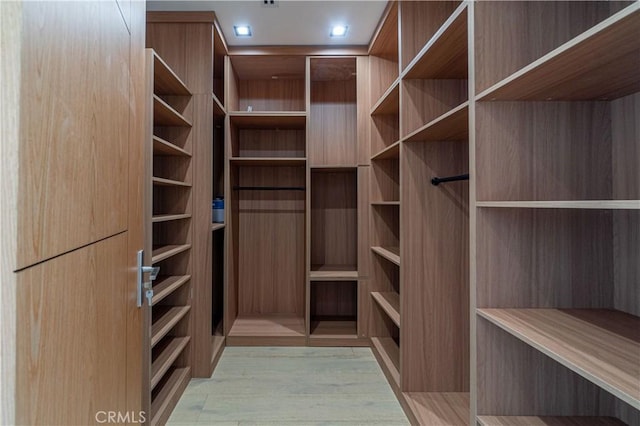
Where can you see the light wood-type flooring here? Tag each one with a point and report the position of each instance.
(291, 386)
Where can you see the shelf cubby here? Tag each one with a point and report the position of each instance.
(266, 83)
(334, 221)
(165, 115)
(383, 54)
(165, 394)
(421, 24)
(530, 30)
(390, 253)
(162, 147)
(601, 345)
(385, 180)
(389, 302)
(278, 329)
(587, 149)
(333, 309)
(165, 81)
(333, 120)
(165, 319)
(164, 252)
(165, 285)
(453, 125)
(385, 120)
(608, 52)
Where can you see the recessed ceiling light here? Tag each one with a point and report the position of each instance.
(338, 31)
(242, 30)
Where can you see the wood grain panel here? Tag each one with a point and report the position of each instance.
(420, 22)
(231, 89)
(548, 421)
(435, 264)
(508, 34)
(202, 251)
(363, 107)
(199, 59)
(81, 137)
(385, 180)
(548, 258)
(384, 42)
(515, 379)
(334, 299)
(68, 332)
(625, 134)
(334, 219)
(543, 151)
(169, 41)
(268, 143)
(382, 73)
(626, 268)
(271, 95)
(332, 126)
(271, 242)
(425, 100)
(364, 221)
(10, 68)
(264, 67)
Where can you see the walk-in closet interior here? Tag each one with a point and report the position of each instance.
(461, 195)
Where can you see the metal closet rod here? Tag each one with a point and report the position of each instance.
(269, 188)
(438, 180)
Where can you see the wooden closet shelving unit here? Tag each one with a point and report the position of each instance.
(419, 130)
(169, 234)
(557, 229)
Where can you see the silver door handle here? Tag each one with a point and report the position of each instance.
(141, 285)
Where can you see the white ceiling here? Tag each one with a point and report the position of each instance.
(291, 22)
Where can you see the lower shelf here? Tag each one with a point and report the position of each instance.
(438, 408)
(327, 329)
(167, 397)
(217, 347)
(166, 322)
(547, 421)
(388, 354)
(333, 273)
(166, 358)
(279, 330)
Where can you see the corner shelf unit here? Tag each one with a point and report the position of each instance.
(419, 232)
(556, 228)
(168, 233)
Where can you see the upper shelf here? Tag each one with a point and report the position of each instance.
(165, 115)
(445, 55)
(389, 102)
(608, 56)
(392, 254)
(601, 345)
(389, 301)
(165, 81)
(218, 108)
(268, 120)
(451, 126)
(392, 151)
(385, 40)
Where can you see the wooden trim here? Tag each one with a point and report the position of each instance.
(564, 204)
(181, 17)
(298, 50)
(548, 421)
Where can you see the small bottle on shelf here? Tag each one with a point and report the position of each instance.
(218, 210)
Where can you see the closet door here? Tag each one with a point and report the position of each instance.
(71, 330)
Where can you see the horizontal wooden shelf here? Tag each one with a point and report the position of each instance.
(386, 203)
(166, 358)
(169, 182)
(392, 254)
(389, 301)
(389, 354)
(169, 217)
(392, 151)
(269, 120)
(166, 322)
(389, 102)
(165, 285)
(218, 108)
(163, 148)
(333, 273)
(165, 81)
(333, 168)
(608, 57)
(548, 421)
(164, 252)
(167, 398)
(439, 408)
(581, 204)
(217, 226)
(165, 115)
(268, 161)
(451, 126)
(326, 329)
(601, 345)
(445, 54)
(268, 326)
